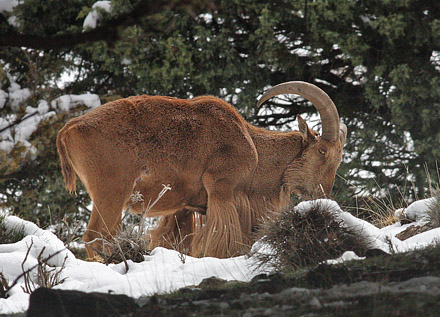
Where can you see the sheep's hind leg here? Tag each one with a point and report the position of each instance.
(174, 231)
(104, 223)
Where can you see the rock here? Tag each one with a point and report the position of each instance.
(212, 282)
(51, 302)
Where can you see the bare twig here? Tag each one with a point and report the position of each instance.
(25, 273)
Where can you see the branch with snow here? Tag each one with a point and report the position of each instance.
(92, 18)
(8, 5)
(15, 129)
(105, 32)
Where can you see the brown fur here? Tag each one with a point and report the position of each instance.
(214, 161)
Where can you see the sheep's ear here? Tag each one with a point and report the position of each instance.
(306, 133)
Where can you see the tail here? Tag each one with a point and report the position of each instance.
(66, 165)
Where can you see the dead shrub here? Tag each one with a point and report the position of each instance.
(45, 275)
(380, 211)
(299, 240)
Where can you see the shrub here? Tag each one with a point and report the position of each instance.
(298, 240)
(45, 275)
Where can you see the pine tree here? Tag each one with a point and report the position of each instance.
(378, 60)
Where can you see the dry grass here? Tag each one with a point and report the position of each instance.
(381, 211)
(299, 240)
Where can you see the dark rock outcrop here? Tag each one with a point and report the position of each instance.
(51, 302)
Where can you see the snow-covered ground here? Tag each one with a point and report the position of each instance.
(163, 271)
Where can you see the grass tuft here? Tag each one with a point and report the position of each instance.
(382, 211)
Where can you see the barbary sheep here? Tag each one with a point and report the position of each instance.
(216, 163)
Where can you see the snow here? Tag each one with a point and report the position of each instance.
(66, 102)
(24, 129)
(415, 212)
(347, 256)
(8, 5)
(381, 238)
(163, 270)
(17, 98)
(14, 21)
(92, 18)
(126, 61)
(21, 131)
(43, 107)
(3, 97)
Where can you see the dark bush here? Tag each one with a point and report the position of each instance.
(300, 240)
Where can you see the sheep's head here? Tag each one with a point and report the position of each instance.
(312, 173)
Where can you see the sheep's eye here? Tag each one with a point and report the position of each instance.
(322, 151)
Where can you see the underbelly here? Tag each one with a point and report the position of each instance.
(155, 203)
(166, 192)
(154, 212)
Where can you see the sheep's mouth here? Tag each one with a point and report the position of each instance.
(305, 194)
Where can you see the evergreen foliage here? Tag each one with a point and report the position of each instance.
(378, 60)
(8, 235)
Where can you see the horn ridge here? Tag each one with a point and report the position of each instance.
(322, 102)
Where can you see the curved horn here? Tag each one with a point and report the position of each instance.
(322, 102)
